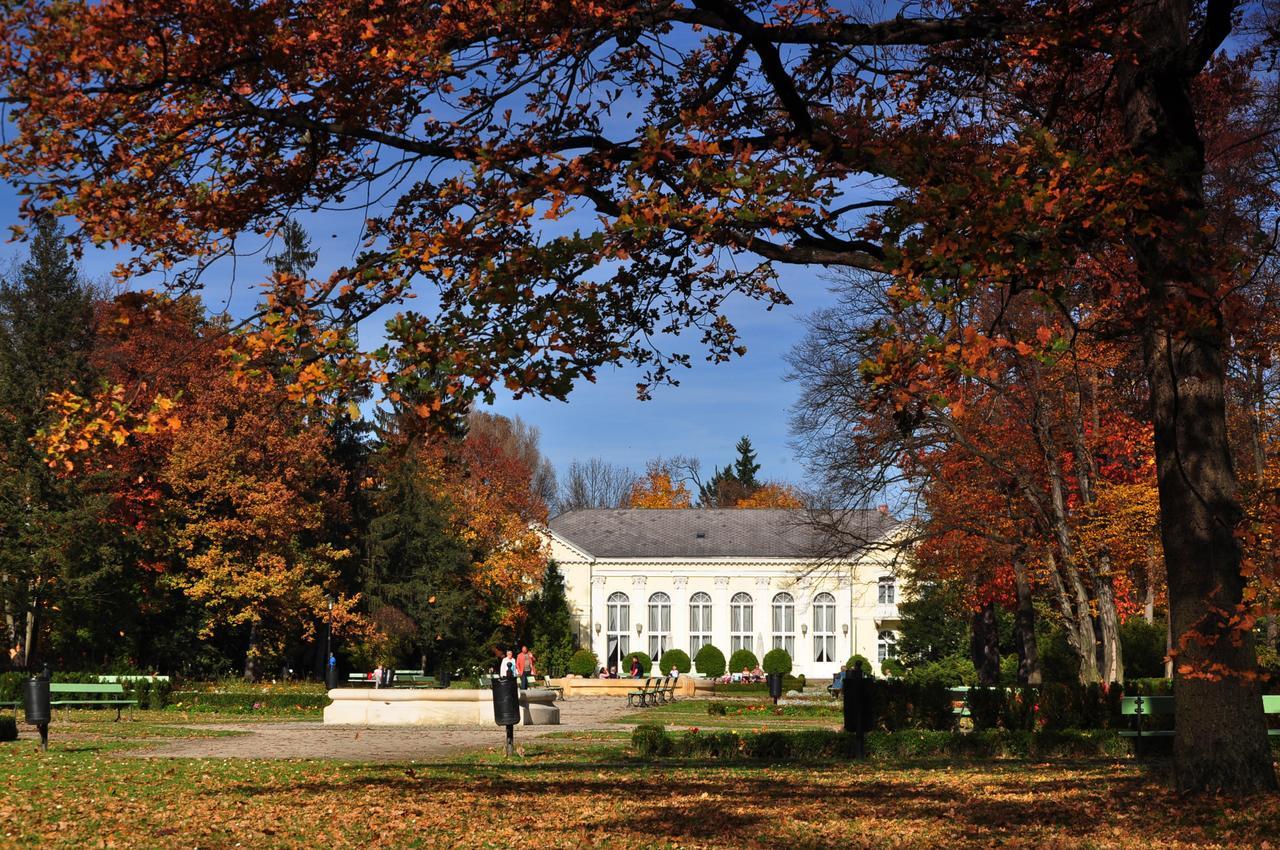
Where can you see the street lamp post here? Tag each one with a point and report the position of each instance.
(331, 663)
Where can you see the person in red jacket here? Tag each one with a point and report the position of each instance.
(524, 667)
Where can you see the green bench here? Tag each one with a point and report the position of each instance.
(67, 694)
(655, 691)
(1141, 707)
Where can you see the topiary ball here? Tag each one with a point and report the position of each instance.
(584, 663)
(867, 669)
(676, 658)
(743, 659)
(777, 661)
(709, 661)
(646, 663)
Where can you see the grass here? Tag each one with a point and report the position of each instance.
(592, 792)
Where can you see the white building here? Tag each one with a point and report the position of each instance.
(651, 580)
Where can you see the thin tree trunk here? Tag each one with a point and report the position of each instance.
(1025, 626)
(1086, 641)
(1109, 627)
(984, 645)
(251, 655)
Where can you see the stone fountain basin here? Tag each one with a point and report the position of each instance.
(433, 707)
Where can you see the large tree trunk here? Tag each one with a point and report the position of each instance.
(984, 645)
(1221, 738)
(1024, 626)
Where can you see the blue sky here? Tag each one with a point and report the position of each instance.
(703, 417)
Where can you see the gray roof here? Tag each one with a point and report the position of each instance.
(718, 532)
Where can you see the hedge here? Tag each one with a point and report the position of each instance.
(148, 693)
(8, 728)
(814, 744)
(676, 658)
(247, 701)
(710, 661)
(584, 663)
(777, 661)
(867, 669)
(743, 659)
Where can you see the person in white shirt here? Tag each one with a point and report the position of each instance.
(507, 667)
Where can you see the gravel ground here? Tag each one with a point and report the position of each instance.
(308, 740)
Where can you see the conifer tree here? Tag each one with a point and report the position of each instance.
(46, 333)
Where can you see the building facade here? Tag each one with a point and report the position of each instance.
(651, 580)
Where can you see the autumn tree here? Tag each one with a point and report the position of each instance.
(772, 494)
(1016, 149)
(661, 487)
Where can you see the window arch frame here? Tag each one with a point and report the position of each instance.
(617, 629)
(886, 645)
(824, 628)
(783, 620)
(742, 608)
(700, 620)
(659, 634)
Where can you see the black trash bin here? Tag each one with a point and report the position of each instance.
(506, 701)
(35, 702)
(775, 686)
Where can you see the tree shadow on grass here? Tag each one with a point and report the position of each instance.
(752, 804)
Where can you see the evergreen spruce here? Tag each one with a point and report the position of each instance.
(550, 625)
(415, 564)
(745, 467)
(48, 540)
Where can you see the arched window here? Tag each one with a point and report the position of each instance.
(784, 623)
(888, 591)
(619, 636)
(659, 625)
(824, 628)
(741, 622)
(699, 622)
(887, 646)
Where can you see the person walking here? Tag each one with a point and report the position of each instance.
(508, 667)
(524, 667)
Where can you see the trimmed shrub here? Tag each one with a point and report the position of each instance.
(743, 659)
(822, 744)
(777, 661)
(1019, 710)
(893, 668)
(1143, 647)
(933, 708)
(1061, 706)
(584, 663)
(950, 672)
(8, 728)
(854, 660)
(646, 663)
(676, 658)
(986, 705)
(709, 661)
(1009, 670)
(650, 740)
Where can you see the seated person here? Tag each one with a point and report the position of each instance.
(757, 675)
(603, 674)
(746, 675)
(837, 681)
(675, 674)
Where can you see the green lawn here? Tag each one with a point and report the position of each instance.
(593, 793)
